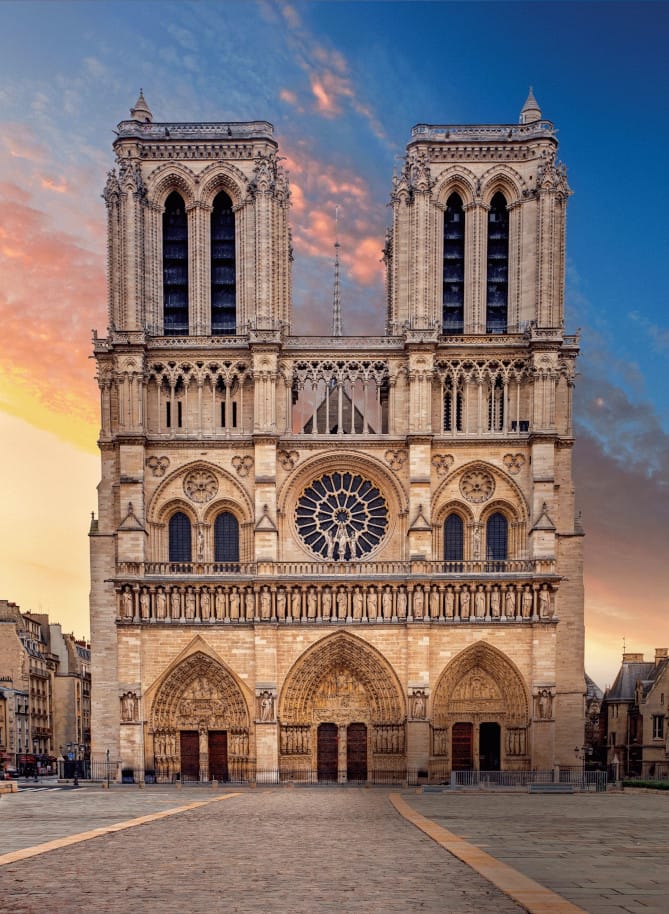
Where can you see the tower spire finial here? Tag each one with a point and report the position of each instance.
(140, 111)
(337, 329)
(530, 111)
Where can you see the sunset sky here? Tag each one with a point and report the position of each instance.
(342, 83)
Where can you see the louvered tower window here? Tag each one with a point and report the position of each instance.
(453, 319)
(175, 267)
(180, 538)
(452, 410)
(226, 538)
(223, 268)
(497, 536)
(497, 290)
(453, 538)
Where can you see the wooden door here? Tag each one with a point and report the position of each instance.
(190, 755)
(328, 745)
(463, 747)
(356, 752)
(218, 755)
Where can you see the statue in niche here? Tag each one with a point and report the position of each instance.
(494, 603)
(205, 605)
(545, 603)
(387, 603)
(312, 603)
(418, 603)
(434, 603)
(265, 603)
(372, 603)
(127, 604)
(402, 603)
(326, 603)
(175, 604)
(250, 604)
(479, 602)
(128, 707)
(144, 604)
(526, 602)
(234, 604)
(450, 603)
(219, 604)
(190, 604)
(200, 544)
(357, 603)
(510, 603)
(296, 604)
(342, 603)
(419, 704)
(465, 599)
(266, 706)
(281, 603)
(544, 705)
(477, 541)
(161, 604)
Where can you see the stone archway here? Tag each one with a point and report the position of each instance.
(199, 722)
(480, 712)
(342, 682)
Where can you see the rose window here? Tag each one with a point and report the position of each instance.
(341, 516)
(200, 486)
(477, 486)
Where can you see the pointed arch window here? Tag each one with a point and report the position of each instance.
(496, 406)
(497, 289)
(175, 266)
(453, 409)
(453, 314)
(223, 268)
(497, 538)
(180, 538)
(453, 538)
(226, 538)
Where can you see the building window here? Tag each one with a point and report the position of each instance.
(453, 411)
(497, 289)
(496, 406)
(223, 268)
(612, 737)
(453, 320)
(658, 726)
(226, 538)
(453, 538)
(175, 267)
(497, 535)
(180, 538)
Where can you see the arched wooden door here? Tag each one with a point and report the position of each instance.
(356, 752)
(463, 746)
(328, 766)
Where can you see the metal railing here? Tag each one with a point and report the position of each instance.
(576, 778)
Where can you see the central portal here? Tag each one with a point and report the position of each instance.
(328, 746)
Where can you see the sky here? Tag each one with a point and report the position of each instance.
(343, 83)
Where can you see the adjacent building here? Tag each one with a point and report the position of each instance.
(336, 557)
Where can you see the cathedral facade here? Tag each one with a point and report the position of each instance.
(336, 557)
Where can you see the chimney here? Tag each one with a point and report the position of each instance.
(632, 658)
(661, 653)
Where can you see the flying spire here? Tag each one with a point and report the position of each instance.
(530, 111)
(337, 329)
(140, 110)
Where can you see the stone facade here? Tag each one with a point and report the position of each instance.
(336, 554)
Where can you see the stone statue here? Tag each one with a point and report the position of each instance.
(312, 603)
(477, 541)
(387, 603)
(128, 707)
(450, 603)
(357, 604)
(342, 602)
(219, 604)
(250, 604)
(234, 603)
(281, 603)
(190, 604)
(326, 603)
(510, 603)
(144, 604)
(402, 603)
(494, 603)
(175, 604)
(526, 602)
(418, 603)
(296, 604)
(266, 707)
(372, 604)
(434, 603)
(205, 605)
(479, 602)
(465, 599)
(545, 704)
(127, 604)
(265, 604)
(544, 603)
(161, 604)
(419, 704)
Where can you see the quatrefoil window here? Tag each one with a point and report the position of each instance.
(341, 516)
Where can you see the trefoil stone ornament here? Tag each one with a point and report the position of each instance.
(158, 465)
(242, 465)
(442, 463)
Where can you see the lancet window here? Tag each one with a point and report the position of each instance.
(205, 397)
(340, 398)
(453, 408)
(497, 538)
(180, 548)
(453, 538)
(223, 268)
(496, 405)
(453, 313)
(175, 266)
(497, 289)
(226, 538)
(483, 396)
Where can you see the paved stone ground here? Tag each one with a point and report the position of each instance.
(607, 853)
(265, 851)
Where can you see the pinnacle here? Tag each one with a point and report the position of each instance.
(530, 110)
(140, 110)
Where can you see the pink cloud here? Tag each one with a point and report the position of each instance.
(59, 187)
(20, 142)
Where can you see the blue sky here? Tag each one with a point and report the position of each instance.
(343, 83)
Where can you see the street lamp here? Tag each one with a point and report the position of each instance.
(35, 745)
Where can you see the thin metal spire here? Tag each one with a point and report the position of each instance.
(337, 329)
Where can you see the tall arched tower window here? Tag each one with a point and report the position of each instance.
(223, 268)
(453, 319)
(175, 266)
(497, 294)
(226, 538)
(453, 538)
(497, 538)
(180, 538)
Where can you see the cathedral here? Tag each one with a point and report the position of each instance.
(336, 558)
